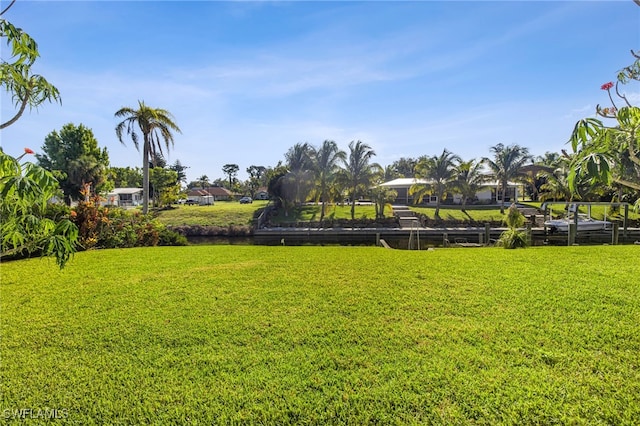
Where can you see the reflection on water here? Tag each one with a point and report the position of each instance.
(396, 243)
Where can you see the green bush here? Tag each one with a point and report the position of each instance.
(513, 238)
(114, 227)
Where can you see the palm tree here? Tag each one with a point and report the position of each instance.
(439, 172)
(203, 181)
(156, 126)
(469, 180)
(325, 164)
(298, 159)
(382, 196)
(357, 171)
(505, 166)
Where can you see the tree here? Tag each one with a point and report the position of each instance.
(357, 172)
(405, 167)
(610, 154)
(298, 161)
(203, 181)
(25, 189)
(468, 180)
(439, 172)
(325, 162)
(16, 77)
(257, 175)
(75, 153)
(156, 126)
(164, 183)
(125, 177)
(380, 195)
(505, 166)
(180, 170)
(556, 183)
(231, 170)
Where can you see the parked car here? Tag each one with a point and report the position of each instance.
(191, 202)
(246, 200)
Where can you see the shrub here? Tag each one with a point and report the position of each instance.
(114, 227)
(513, 238)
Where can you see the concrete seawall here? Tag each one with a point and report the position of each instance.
(427, 236)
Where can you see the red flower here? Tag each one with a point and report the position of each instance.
(607, 86)
(28, 151)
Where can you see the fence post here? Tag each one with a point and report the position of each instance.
(487, 232)
(615, 233)
(572, 233)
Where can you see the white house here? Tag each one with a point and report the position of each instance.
(124, 197)
(488, 195)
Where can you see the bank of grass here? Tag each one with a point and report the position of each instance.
(455, 213)
(325, 335)
(311, 213)
(222, 213)
(598, 212)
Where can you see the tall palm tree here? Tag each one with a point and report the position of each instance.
(505, 166)
(382, 196)
(357, 171)
(325, 164)
(439, 172)
(469, 180)
(203, 181)
(156, 126)
(298, 160)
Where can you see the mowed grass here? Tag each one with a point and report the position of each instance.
(472, 213)
(325, 335)
(311, 212)
(222, 213)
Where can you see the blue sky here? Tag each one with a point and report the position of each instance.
(247, 80)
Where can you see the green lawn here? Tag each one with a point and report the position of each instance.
(223, 213)
(597, 212)
(473, 213)
(325, 335)
(310, 213)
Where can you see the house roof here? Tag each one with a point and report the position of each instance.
(403, 182)
(408, 182)
(119, 191)
(216, 191)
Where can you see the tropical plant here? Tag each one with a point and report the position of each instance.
(514, 238)
(357, 172)
(74, 154)
(556, 183)
(610, 154)
(125, 177)
(25, 190)
(505, 166)
(298, 162)
(179, 168)
(468, 180)
(325, 162)
(156, 126)
(165, 185)
(405, 167)
(439, 173)
(231, 170)
(16, 77)
(380, 195)
(257, 178)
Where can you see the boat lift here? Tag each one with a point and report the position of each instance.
(574, 207)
